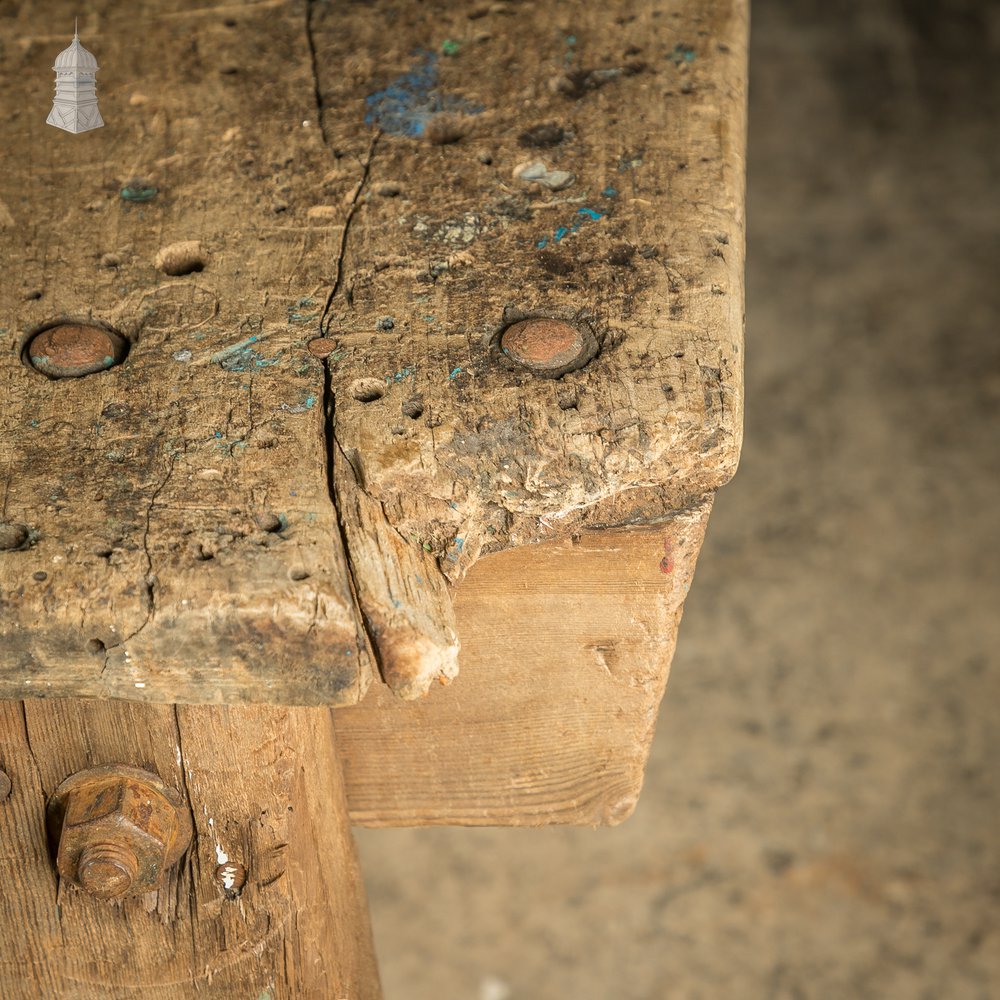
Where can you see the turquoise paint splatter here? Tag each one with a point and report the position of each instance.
(294, 316)
(455, 372)
(242, 357)
(681, 54)
(610, 192)
(138, 191)
(412, 99)
(307, 404)
(563, 231)
(401, 375)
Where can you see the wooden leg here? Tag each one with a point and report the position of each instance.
(266, 794)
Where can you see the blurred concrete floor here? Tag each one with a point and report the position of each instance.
(821, 816)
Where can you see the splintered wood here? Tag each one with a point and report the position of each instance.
(228, 516)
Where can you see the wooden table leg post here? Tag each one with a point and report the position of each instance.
(268, 903)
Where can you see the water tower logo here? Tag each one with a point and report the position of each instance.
(75, 106)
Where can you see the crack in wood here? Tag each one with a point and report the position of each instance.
(331, 443)
(324, 325)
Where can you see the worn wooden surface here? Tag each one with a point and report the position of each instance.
(149, 574)
(265, 791)
(566, 648)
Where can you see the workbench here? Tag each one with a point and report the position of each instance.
(365, 383)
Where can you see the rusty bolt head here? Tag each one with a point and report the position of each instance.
(107, 870)
(548, 347)
(119, 829)
(71, 350)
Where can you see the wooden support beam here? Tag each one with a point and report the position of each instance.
(266, 796)
(566, 649)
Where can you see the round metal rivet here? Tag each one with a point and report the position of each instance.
(321, 347)
(71, 350)
(547, 347)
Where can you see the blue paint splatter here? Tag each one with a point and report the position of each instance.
(411, 100)
(681, 54)
(241, 357)
(294, 316)
(455, 372)
(563, 231)
(307, 404)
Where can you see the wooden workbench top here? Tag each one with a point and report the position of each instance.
(229, 515)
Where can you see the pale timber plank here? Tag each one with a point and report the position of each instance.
(566, 647)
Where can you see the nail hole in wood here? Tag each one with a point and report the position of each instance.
(367, 390)
(181, 258)
(269, 522)
(413, 408)
(13, 536)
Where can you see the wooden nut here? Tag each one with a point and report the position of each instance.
(119, 830)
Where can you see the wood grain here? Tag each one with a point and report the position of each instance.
(265, 791)
(566, 648)
(184, 543)
(186, 531)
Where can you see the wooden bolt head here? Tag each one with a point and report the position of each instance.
(547, 347)
(71, 350)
